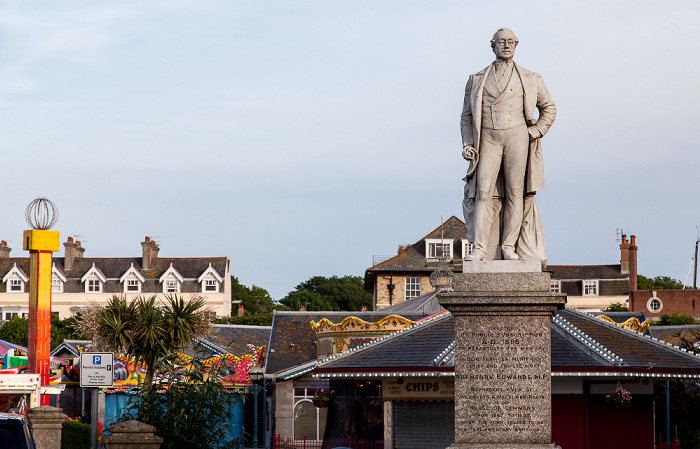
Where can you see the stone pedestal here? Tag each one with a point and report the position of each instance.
(502, 358)
(132, 435)
(47, 424)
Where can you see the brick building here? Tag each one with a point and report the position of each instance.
(665, 302)
(394, 279)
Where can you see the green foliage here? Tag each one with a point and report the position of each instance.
(616, 307)
(658, 283)
(75, 435)
(676, 319)
(258, 319)
(16, 331)
(256, 300)
(334, 293)
(193, 410)
(145, 329)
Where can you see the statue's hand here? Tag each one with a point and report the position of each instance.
(469, 153)
(534, 133)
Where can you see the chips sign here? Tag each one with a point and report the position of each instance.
(96, 369)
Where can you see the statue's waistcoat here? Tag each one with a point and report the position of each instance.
(502, 109)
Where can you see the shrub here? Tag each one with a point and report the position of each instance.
(75, 435)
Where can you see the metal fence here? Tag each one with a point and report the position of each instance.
(280, 442)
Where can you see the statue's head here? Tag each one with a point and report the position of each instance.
(504, 43)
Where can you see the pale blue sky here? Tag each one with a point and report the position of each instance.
(301, 138)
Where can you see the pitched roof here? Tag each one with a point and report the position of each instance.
(672, 334)
(413, 257)
(293, 341)
(581, 345)
(426, 304)
(576, 272)
(234, 339)
(115, 267)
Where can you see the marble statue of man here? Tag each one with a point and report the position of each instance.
(501, 140)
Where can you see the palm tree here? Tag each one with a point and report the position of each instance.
(146, 328)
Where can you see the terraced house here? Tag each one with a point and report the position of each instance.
(78, 281)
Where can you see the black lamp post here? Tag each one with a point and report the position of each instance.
(256, 375)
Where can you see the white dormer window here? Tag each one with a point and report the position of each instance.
(58, 280)
(171, 280)
(94, 280)
(210, 280)
(15, 280)
(466, 248)
(436, 248)
(590, 287)
(555, 286)
(132, 280)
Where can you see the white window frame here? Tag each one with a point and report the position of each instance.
(412, 287)
(132, 275)
(590, 287)
(431, 246)
(170, 275)
(467, 248)
(15, 277)
(555, 286)
(58, 280)
(210, 275)
(653, 302)
(307, 397)
(94, 280)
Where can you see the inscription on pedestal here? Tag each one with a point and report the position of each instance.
(502, 379)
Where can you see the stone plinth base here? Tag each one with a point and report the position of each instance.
(132, 435)
(47, 424)
(502, 266)
(502, 359)
(504, 446)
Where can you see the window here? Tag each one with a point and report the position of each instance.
(171, 286)
(436, 248)
(590, 287)
(555, 286)
(309, 420)
(10, 315)
(654, 305)
(16, 285)
(412, 287)
(467, 248)
(56, 285)
(132, 285)
(94, 285)
(210, 285)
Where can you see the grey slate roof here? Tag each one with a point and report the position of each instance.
(426, 304)
(580, 343)
(586, 272)
(672, 334)
(234, 339)
(293, 341)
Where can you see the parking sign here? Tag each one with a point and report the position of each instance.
(96, 369)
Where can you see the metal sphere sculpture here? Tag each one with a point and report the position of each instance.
(41, 214)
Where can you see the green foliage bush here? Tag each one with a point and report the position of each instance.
(616, 307)
(676, 319)
(188, 405)
(75, 435)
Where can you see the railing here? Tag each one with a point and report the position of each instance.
(280, 442)
(376, 260)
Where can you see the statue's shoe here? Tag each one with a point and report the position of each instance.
(474, 256)
(509, 255)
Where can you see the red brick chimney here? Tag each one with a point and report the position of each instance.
(364, 308)
(624, 256)
(150, 252)
(4, 250)
(73, 251)
(302, 308)
(633, 263)
(241, 310)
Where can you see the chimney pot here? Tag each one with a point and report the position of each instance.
(148, 239)
(77, 243)
(241, 310)
(4, 243)
(70, 239)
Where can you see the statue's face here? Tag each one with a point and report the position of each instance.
(504, 45)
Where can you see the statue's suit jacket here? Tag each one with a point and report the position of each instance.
(535, 96)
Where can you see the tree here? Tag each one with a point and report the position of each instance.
(658, 283)
(255, 300)
(146, 329)
(312, 301)
(16, 331)
(616, 307)
(676, 319)
(337, 293)
(193, 410)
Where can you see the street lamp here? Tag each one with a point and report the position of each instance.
(256, 375)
